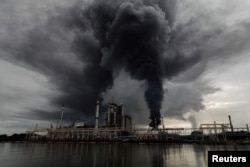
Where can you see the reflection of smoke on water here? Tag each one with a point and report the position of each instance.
(133, 155)
(109, 154)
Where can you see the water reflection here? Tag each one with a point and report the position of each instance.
(107, 154)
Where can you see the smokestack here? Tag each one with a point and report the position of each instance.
(156, 125)
(109, 108)
(247, 128)
(215, 130)
(97, 115)
(62, 108)
(123, 117)
(163, 126)
(230, 122)
(115, 116)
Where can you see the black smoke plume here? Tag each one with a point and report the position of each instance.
(82, 49)
(133, 35)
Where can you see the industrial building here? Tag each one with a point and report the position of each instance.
(115, 117)
(118, 127)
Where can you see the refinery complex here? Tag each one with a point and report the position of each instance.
(119, 128)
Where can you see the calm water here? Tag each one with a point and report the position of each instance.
(106, 155)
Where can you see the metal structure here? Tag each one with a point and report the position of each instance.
(114, 116)
(214, 132)
(75, 134)
(103, 134)
(208, 133)
(119, 128)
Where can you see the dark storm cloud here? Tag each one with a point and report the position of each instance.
(82, 48)
(47, 49)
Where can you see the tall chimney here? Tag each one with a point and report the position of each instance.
(247, 128)
(231, 125)
(108, 120)
(162, 121)
(97, 115)
(155, 126)
(115, 116)
(123, 117)
(62, 108)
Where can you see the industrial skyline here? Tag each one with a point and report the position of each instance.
(58, 52)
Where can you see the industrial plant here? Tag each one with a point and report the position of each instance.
(117, 125)
(119, 128)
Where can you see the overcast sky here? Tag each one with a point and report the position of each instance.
(36, 57)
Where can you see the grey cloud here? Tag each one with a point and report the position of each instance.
(182, 98)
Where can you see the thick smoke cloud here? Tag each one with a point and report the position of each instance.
(136, 36)
(82, 50)
(133, 36)
(107, 36)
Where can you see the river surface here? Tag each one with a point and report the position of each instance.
(107, 154)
